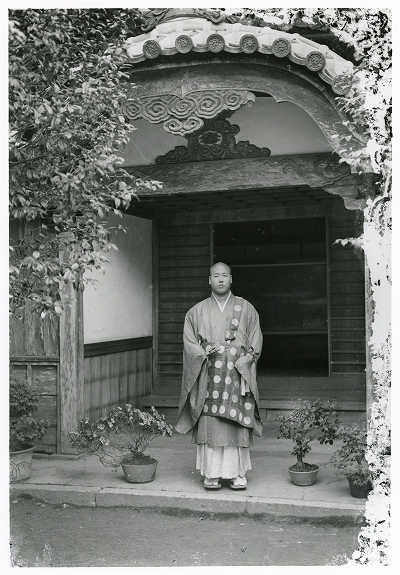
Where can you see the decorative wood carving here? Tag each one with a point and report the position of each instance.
(313, 170)
(354, 191)
(214, 141)
(184, 115)
(327, 167)
(269, 77)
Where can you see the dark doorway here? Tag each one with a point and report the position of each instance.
(280, 266)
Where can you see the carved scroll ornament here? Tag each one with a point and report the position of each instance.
(185, 115)
(214, 141)
(327, 167)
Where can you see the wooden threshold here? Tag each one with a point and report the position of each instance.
(160, 401)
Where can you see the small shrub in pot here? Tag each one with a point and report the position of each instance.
(120, 437)
(25, 430)
(308, 421)
(349, 459)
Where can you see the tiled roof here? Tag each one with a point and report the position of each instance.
(183, 35)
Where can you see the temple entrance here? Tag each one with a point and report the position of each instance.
(308, 288)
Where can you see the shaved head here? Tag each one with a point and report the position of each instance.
(220, 278)
(213, 267)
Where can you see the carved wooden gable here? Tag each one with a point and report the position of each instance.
(216, 140)
(194, 97)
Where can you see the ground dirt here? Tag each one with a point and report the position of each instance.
(44, 535)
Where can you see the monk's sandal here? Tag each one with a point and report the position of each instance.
(238, 483)
(212, 483)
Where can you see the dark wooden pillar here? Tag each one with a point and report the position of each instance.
(369, 311)
(71, 398)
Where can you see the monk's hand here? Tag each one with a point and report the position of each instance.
(213, 348)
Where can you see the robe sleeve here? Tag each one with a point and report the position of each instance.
(194, 379)
(247, 364)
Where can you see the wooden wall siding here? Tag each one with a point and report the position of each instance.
(33, 335)
(115, 379)
(42, 375)
(347, 300)
(184, 263)
(348, 391)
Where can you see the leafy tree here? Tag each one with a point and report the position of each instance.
(67, 89)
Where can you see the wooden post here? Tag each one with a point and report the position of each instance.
(155, 300)
(71, 395)
(369, 311)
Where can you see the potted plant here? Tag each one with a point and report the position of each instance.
(25, 430)
(120, 438)
(350, 461)
(309, 420)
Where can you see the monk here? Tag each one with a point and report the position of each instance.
(219, 399)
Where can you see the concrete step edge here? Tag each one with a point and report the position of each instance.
(207, 502)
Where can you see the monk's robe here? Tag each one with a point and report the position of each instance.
(219, 399)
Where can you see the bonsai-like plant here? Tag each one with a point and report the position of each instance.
(349, 459)
(25, 430)
(309, 420)
(121, 436)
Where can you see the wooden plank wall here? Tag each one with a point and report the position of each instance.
(34, 359)
(116, 373)
(33, 335)
(347, 300)
(42, 375)
(184, 264)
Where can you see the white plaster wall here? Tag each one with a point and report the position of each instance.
(283, 127)
(120, 307)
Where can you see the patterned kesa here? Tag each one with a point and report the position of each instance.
(224, 397)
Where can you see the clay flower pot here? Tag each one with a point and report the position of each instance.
(21, 464)
(359, 491)
(304, 478)
(141, 472)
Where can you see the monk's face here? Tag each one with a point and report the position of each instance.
(220, 279)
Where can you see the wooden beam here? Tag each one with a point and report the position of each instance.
(156, 296)
(313, 170)
(71, 381)
(252, 214)
(369, 312)
(117, 346)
